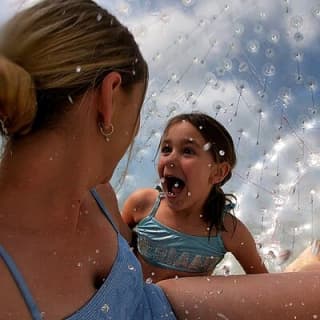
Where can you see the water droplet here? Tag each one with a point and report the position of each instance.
(269, 70)
(99, 17)
(164, 17)
(188, 3)
(222, 316)
(79, 264)
(78, 69)
(316, 12)
(189, 194)
(105, 308)
(131, 267)
(70, 99)
(274, 37)
(269, 53)
(298, 36)
(258, 28)
(220, 291)
(97, 251)
(243, 67)
(149, 280)
(227, 64)
(253, 46)
(207, 146)
(296, 22)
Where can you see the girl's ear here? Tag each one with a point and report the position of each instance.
(218, 172)
(109, 89)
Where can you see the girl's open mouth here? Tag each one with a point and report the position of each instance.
(173, 185)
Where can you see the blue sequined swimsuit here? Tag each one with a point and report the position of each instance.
(165, 247)
(123, 296)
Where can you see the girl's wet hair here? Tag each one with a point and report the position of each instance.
(52, 53)
(220, 144)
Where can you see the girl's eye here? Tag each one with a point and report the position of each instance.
(165, 149)
(188, 151)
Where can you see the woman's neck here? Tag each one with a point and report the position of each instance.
(48, 172)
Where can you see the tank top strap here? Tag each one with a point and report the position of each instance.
(103, 208)
(156, 205)
(21, 284)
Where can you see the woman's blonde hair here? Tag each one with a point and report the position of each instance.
(55, 51)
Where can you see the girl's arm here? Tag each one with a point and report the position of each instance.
(242, 245)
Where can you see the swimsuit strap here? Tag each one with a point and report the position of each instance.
(21, 284)
(103, 208)
(156, 205)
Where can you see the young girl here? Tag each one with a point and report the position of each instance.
(187, 228)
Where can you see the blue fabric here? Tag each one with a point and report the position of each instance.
(17, 276)
(167, 248)
(124, 295)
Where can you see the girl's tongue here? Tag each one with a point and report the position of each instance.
(174, 185)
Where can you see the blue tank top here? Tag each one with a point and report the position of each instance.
(123, 296)
(167, 248)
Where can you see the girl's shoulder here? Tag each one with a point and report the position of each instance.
(143, 198)
(138, 205)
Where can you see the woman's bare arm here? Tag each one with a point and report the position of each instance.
(260, 296)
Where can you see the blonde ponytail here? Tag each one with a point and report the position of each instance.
(17, 99)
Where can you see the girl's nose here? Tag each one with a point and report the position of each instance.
(171, 160)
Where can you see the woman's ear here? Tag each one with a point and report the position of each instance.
(219, 171)
(109, 88)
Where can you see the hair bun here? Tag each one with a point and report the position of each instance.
(17, 98)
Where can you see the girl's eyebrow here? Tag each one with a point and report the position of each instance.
(190, 140)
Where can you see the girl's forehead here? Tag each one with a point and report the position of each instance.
(182, 126)
(183, 130)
